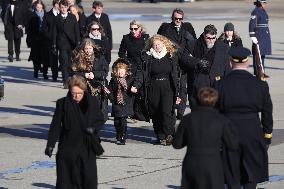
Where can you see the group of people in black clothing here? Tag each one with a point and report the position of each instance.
(151, 80)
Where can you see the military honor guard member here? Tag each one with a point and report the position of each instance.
(259, 32)
(241, 98)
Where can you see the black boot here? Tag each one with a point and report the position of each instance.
(18, 57)
(10, 58)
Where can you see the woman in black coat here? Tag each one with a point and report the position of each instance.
(76, 119)
(121, 97)
(132, 44)
(96, 33)
(158, 73)
(36, 40)
(81, 19)
(205, 132)
(230, 37)
(89, 63)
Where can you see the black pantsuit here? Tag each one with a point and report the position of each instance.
(160, 105)
(65, 59)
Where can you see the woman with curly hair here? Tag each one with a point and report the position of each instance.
(230, 37)
(89, 63)
(158, 74)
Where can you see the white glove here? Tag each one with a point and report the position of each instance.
(254, 40)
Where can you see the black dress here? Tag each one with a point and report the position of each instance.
(205, 132)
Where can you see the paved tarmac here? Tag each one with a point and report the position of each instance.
(26, 110)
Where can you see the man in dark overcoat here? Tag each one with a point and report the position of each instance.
(209, 60)
(242, 98)
(180, 33)
(102, 18)
(47, 29)
(13, 26)
(259, 32)
(66, 37)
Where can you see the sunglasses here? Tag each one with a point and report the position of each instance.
(95, 29)
(210, 38)
(178, 18)
(131, 29)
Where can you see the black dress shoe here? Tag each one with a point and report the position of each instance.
(18, 58)
(10, 58)
(45, 77)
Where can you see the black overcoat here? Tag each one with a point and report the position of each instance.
(66, 35)
(11, 22)
(103, 45)
(205, 132)
(241, 97)
(131, 48)
(77, 150)
(119, 110)
(48, 24)
(104, 21)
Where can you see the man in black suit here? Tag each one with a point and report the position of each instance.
(47, 28)
(103, 19)
(14, 24)
(181, 33)
(66, 37)
(246, 101)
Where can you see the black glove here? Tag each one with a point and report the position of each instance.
(54, 50)
(203, 66)
(48, 151)
(90, 130)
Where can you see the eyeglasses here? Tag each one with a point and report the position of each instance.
(210, 38)
(135, 29)
(79, 93)
(95, 29)
(178, 18)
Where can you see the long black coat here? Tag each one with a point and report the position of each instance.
(76, 156)
(241, 97)
(36, 39)
(119, 110)
(205, 132)
(130, 49)
(104, 47)
(11, 22)
(104, 21)
(48, 24)
(66, 33)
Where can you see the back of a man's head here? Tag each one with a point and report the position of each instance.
(207, 96)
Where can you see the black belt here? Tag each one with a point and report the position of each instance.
(160, 79)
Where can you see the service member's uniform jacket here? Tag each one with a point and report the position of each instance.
(241, 97)
(258, 27)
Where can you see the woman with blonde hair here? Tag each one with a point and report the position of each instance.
(80, 17)
(89, 63)
(132, 44)
(158, 76)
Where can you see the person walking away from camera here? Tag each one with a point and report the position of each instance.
(230, 37)
(159, 74)
(259, 33)
(204, 132)
(242, 98)
(74, 125)
(96, 33)
(121, 97)
(88, 62)
(14, 21)
(37, 41)
(181, 33)
(47, 30)
(103, 19)
(66, 37)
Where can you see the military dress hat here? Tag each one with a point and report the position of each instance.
(239, 54)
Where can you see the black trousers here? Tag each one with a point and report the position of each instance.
(120, 124)
(17, 43)
(160, 102)
(65, 63)
(40, 57)
(182, 94)
(245, 186)
(53, 63)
